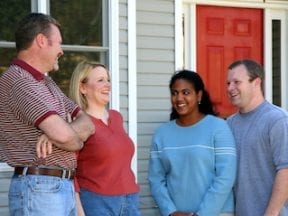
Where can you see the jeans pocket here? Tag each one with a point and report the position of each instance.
(45, 184)
(41, 195)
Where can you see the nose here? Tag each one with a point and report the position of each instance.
(179, 96)
(108, 84)
(230, 86)
(61, 51)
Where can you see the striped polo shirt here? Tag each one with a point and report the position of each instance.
(27, 97)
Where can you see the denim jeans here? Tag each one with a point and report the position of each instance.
(35, 195)
(101, 205)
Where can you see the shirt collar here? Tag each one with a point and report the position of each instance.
(35, 73)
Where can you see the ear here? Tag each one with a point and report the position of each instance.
(199, 95)
(82, 88)
(258, 81)
(41, 40)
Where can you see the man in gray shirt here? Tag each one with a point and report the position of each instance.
(261, 134)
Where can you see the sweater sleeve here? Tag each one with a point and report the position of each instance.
(225, 172)
(157, 181)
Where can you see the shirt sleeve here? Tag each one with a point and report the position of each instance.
(28, 102)
(278, 136)
(70, 106)
(157, 181)
(225, 168)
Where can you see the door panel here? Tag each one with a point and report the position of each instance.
(225, 34)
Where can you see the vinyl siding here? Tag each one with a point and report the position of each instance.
(123, 59)
(5, 177)
(155, 65)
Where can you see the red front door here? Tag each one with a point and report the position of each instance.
(225, 34)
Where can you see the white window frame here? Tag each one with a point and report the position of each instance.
(270, 15)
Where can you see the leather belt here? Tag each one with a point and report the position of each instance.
(67, 174)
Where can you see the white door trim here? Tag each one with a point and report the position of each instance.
(270, 15)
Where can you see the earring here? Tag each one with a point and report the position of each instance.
(199, 102)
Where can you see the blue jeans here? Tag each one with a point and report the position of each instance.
(36, 195)
(101, 205)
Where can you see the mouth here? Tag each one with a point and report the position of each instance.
(233, 96)
(181, 105)
(59, 55)
(106, 93)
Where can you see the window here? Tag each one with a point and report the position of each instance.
(13, 12)
(276, 61)
(83, 33)
(83, 29)
(276, 77)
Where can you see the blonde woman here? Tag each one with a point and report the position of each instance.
(107, 184)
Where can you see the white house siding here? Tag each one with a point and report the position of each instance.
(4, 186)
(155, 65)
(123, 59)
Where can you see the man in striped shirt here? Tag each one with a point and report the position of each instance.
(33, 110)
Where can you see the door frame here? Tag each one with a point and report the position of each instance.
(272, 10)
(269, 16)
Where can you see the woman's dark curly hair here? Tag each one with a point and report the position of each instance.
(206, 105)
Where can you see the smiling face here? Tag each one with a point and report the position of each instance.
(184, 98)
(241, 89)
(97, 88)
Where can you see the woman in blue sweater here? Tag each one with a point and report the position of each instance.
(192, 160)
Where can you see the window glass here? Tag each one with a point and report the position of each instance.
(6, 56)
(67, 63)
(276, 61)
(81, 21)
(11, 11)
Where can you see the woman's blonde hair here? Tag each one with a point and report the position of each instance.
(79, 76)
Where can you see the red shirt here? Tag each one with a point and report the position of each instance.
(104, 163)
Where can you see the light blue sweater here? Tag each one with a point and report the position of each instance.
(192, 169)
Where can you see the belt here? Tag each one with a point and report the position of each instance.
(61, 173)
